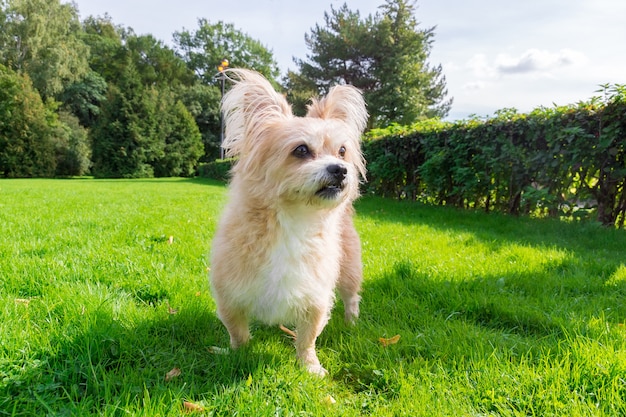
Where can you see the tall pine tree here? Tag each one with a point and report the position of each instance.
(125, 143)
(385, 55)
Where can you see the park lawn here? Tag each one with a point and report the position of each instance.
(105, 310)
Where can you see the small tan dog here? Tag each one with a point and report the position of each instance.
(286, 239)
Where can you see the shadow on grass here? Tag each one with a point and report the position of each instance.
(498, 229)
(537, 301)
(158, 180)
(112, 364)
(473, 316)
(465, 325)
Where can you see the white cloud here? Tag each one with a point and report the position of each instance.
(537, 60)
(480, 67)
(533, 61)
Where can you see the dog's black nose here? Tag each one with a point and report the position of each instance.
(338, 171)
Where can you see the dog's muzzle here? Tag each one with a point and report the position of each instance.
(335, 181)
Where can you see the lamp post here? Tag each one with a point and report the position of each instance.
(221, 68)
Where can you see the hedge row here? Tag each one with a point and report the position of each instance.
(217, 170)
(561, 161)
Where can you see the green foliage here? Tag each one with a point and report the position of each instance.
(73, 148)
(217, 170)
(410, 88)
(552, 162)
(161, 71)
(144, 129)
(144, 132)
(26, 133)
(204, 48)
(156, 63)
(384, 55)
(203, 102)
(183, 143)
(124, 142)
(299, 91)
(42, 40)
(394, 159)
(85, 97)
(104, 39)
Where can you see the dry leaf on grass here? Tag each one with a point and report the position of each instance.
(171, 310)
(23, 301)
(172, 374)
(290, 332)
(170, 240)
(190, 407)
(329, 400)
(390, 341)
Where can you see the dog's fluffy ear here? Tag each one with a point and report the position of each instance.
(343, 102)
(249, 106)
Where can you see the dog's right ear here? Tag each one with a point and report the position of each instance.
(343, 102)
(248, 107)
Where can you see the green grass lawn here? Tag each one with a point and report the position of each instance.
(104, 291)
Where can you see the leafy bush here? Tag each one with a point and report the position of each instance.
(217, 170)
(144, 132)
(552, 161)
(73, 150)
(183, 143)
(26, 134)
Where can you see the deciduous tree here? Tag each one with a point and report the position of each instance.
(26, 136)
(204, 48)
(41, 39)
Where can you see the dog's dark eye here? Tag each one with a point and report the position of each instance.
(302, 152)
(342, 152)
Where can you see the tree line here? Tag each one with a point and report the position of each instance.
(92, 97)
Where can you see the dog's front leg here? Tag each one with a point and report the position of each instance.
(351, 274)
(236, 322)
(307, 332)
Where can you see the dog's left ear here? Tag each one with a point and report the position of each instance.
(248, 108)
(343, 102)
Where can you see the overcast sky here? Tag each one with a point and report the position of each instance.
(494, 53)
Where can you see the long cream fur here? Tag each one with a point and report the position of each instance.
(286, 239)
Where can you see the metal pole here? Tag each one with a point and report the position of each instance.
(221, 68)
(222, 121)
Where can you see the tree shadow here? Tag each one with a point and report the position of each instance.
(444, 325)
(517, 312)
(112, 361)
(579, 278)
(493, 227)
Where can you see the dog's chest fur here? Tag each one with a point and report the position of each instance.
(300, 268)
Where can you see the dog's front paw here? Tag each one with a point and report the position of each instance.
(309, 360)
(351, 310)
(351, 316)
(317, 369)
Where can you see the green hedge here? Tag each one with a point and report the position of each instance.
(217, 170)
(561, 161)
